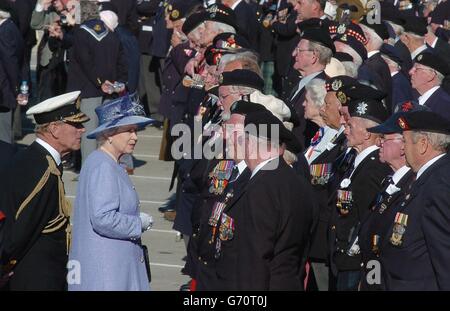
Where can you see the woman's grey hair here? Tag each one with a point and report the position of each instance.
(439, 141)
(351, 69)
(221, 28)
(88, 10)
(316, 91)
(102, 138)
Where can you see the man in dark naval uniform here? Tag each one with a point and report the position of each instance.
(37, 231)
(416, 246)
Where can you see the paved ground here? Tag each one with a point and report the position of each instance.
(152, 178)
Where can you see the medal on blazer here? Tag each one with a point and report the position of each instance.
(376, 244)
(226, 229)
(216, 213)
(344, 201)
(320, 173)
(400, 223)
(219, 176)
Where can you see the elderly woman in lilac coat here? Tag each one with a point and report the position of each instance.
(106, 252)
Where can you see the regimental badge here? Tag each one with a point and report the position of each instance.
(362, 108)
(341, 29)
(407, 106)
(344, 38)
(402, 123)
(344, 201)
(97, 27)
(400, 223)
(341, 97)
(336, 85)
(419, 58)
(175, 14)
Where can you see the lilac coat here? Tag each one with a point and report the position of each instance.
(106, 229)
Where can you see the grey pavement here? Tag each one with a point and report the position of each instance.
(152, 179)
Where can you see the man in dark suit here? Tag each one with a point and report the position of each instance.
(37, 232)
(374, 227)
(374, 69)
(312, 54)
(416, 248)
(11, 55)
(246, 19)
(274, 217)
(427, 75)
(357, 191)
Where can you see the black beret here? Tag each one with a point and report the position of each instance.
(178, 9)
(245, 107)
(343, 57)
(380, 29)
(416, 25)
(433, 61)
(368, 109)
(354, 44)
(319, 36)
(221, 14)
(263, 120)
(107, 6)
(390, 13)
(427, 121)
(391, 52)
(391, 125)
(192, 22)
(242, 77)
(228, 40)
(334, 84)
(358, 91)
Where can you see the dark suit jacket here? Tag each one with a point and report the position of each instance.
(378, 222)
(421, 261)
(405, 56)
(247, 22)
(376, 71)
(146, 11)
(401, 89)
(365, 185)
(442, 48)
(11, 56)
(127, 13)
(272, 229)
(42, 257)
(91, 59)
(439, 102)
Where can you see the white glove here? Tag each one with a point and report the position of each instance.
(146, 220)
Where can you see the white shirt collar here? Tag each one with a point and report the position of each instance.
(304, 81)
(394, 73)
(400, 173)
(371, 53)
(262, 164)
(423, 98)
(241, 167)
(418, 51)
(235, 4)
(427, 165)
(55, 154)
(361, 156)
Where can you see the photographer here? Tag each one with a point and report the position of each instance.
(55, 18)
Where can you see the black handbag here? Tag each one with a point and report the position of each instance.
(147, 262)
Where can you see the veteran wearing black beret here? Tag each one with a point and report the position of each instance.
(416, 251)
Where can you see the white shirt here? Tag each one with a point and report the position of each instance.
(371, 53)
(427, 165)
(400, 173)
(361, 156)
(314, 151)
(304, 81)
(235, 4)
(241, 167)
(423, 98)
(55, 154)
(394, 73)
(262, 164)
(417, 51)
(3, 20)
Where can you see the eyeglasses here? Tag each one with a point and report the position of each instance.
(383, 140)
(422, 68)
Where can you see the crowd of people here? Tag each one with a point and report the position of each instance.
(327, 126)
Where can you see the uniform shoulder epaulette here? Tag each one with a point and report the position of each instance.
(95, 28)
